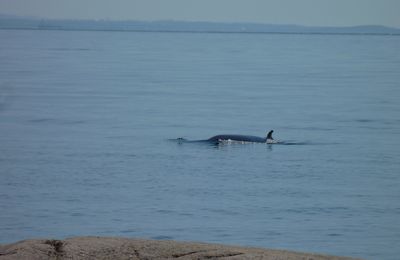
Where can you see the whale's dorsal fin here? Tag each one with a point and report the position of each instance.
(269, 135)
(269, 138)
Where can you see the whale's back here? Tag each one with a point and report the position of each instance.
(238, 138)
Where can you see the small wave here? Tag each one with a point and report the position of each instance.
(364, 120)
(128, 231)
(56, 121)
(41, 120)
(311, 128)
(179, 140)
(69, 49)
(162, 237)
(334, 235)
(294, 143)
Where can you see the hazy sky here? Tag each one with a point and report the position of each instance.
(303, 12)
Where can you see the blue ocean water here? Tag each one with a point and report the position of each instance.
(87, 118)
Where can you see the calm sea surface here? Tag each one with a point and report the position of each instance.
(86, 120)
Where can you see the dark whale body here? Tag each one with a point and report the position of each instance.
(237, 138)
(234, 138)
(227, 139)
(242, 138)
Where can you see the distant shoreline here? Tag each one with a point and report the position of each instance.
(198, 32)
(130, 248)
(21, 23)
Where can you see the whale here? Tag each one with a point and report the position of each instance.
(243, 138)
(235, 138)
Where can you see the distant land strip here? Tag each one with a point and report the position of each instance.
(13, 23)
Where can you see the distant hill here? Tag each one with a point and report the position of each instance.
(12, 22)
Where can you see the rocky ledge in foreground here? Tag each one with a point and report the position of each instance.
(124, 248)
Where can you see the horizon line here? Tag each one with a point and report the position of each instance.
(204, 32)
(12, 16)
